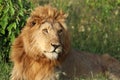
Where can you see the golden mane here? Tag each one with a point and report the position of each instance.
(28, 61)
(47, 13)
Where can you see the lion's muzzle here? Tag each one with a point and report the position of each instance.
(57, 48)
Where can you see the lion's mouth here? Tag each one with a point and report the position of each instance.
(54, 54)
(58, 50)
(54, 51)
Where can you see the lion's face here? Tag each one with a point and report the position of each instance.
(46, 34)
(49, 38)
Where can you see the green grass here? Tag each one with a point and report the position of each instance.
(5, 69)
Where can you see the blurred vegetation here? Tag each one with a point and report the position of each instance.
(94, 25)
(13, 15)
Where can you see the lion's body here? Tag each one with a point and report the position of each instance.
(88, 65)
(83, 64)
(42, 50)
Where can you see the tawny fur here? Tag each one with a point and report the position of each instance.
(89, 65)
(29, 60)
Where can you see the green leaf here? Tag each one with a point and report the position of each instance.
(1, 8)
(14, 25)
(21, 13)
(20, 3)
(12, 11)
(2, 31)
(6, 9)
(4, 21)
(10, 27)
(12, 37)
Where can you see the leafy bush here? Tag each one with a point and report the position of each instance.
(13, 15)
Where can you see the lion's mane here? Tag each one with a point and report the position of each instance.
(29, 63)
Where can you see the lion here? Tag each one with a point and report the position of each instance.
(41, 47)
(43, 51)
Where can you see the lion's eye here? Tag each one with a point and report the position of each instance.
(60, 31)
(33, 23)
(45, 30)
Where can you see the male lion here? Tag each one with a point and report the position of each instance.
(42, 51)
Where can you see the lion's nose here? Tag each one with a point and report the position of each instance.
(55, 45)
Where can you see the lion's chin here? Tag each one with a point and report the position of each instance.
(51, 55)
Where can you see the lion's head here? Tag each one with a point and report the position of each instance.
(46, 34)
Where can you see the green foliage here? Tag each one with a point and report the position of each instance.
(96, 26)
(13, 15)
(5, 71)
